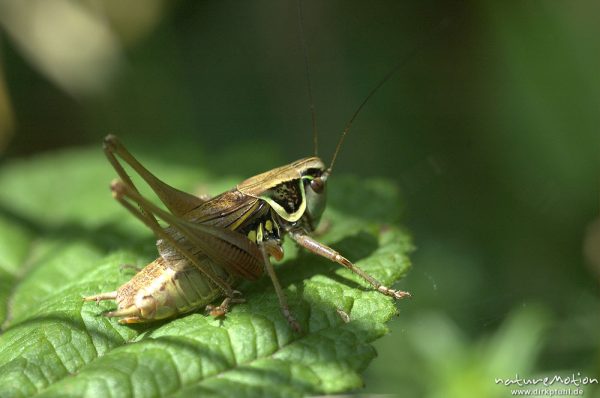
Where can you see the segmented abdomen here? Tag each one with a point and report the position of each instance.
(159, 291)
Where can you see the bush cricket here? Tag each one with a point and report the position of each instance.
(211, 245)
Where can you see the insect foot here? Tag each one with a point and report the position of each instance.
(397, 294)
(291, 320)
(222, 309)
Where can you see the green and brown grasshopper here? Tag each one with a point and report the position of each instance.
(210, 246)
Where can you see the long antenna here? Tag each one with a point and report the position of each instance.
(443, 24)
(313, 114)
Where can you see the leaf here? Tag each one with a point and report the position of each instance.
(63, 237)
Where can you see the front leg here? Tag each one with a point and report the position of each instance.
(323, 250)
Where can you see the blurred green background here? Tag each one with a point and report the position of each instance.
(491, 131)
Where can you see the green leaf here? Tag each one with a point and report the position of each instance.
(63, 237)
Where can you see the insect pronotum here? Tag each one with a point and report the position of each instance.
(211, 245)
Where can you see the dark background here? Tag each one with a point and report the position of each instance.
(490, 131)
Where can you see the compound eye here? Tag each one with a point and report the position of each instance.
(317, 185)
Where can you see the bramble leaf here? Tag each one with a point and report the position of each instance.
(62, 237)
